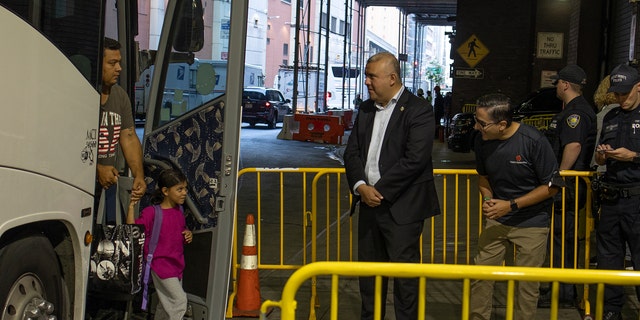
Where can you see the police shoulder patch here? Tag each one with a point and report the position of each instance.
(573, 120)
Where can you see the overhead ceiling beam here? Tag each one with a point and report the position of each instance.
(429, 12)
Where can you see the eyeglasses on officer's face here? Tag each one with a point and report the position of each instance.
(482, 124)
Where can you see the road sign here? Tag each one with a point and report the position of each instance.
(469, 73)
(550, 45)
(473, 51)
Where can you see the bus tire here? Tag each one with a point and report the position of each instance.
(31, 280)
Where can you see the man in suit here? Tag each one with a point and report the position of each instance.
(390, 171)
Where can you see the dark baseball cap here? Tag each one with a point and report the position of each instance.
(623, 78)
(571, 73)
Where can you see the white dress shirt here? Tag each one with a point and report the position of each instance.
(380, 122)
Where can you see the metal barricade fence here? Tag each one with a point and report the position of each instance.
(464, 273)
(541, 121)
(312, 223)
(286, 232)
(469, 107)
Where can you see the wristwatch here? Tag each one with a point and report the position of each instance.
(514, 204)
(636, 158)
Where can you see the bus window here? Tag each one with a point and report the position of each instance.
(72, 26)
(342, 72)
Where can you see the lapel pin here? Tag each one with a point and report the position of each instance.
(402, 108)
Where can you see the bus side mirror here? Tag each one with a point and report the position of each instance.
(190, 35)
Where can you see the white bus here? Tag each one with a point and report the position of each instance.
(308, 86)
(183, 77)
(51, 74)
(342, 84)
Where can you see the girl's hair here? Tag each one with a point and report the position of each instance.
(167, 179)
(498, 107)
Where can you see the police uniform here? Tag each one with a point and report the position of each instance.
(620, 206)
(575, 123)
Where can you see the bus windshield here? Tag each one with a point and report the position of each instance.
(197, 73)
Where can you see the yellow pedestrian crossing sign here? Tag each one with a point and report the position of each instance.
(473, 51)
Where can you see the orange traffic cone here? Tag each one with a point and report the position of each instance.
(248, 297)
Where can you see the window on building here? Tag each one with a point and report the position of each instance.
(323, 21)
(308, 50)
(268, 41)
(341, 30)
(285, 62)
(334, 22)
(285, 49)
(286, 1)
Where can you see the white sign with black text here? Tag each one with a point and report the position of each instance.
(550, 45)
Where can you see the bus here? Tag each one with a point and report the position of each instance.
(310, 81)
(51, 64)
(342, 84)
(183, 76)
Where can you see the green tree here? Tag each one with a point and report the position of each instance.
(434, 73)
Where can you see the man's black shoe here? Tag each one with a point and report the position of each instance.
(612, 315)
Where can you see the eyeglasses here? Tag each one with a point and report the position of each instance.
(483, 125)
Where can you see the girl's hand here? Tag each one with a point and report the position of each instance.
(188, 236)
(131, 212)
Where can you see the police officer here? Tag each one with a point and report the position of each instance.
(572, 134)
(619, 149)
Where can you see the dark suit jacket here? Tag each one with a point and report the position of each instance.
(405, 164)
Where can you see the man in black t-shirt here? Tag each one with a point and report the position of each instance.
(517, 179)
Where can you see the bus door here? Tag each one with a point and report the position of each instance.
(200, 140)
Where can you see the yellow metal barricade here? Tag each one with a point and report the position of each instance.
(469, 107)
(312, 223)
(541, 121)
(289, 233)
(510, 275)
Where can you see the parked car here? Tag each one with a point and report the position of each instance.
(263, 105)
(538, 108)
(542, 101)
(462, 133)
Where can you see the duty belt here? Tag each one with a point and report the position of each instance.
(621, 191)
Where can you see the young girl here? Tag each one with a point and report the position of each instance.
(168, 258)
